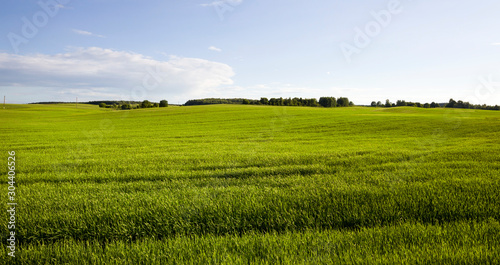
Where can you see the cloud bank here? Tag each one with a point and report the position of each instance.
(103, 72)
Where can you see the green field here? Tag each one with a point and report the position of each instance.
(235, 184)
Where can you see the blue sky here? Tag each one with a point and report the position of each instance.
(415, 50)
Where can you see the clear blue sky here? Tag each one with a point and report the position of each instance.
(178, 50)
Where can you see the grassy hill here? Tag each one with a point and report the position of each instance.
(236, 184)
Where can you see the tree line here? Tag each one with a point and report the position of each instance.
(466, 105)
(138, 105)
(451, 104)
(211, 101)
(328, 102)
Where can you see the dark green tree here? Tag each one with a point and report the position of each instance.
(146, 104)
(313, 102)
(451, 103)
(343, 102)
(400, 103)
(327, 102)
(163, 103)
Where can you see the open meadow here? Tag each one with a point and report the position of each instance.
(239, 184)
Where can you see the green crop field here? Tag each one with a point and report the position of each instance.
(239, 184)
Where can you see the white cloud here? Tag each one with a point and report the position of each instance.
(213, 48)
(224, 2)
(87, 33)
(96, 71)
(498, 43)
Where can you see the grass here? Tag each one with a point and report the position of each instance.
(237, 184)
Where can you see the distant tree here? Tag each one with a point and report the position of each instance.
(427, 105)
(323, 102)
(379, 104)
(156, 105)
(387, 103)
(327, 102)
(343, 102)
(126, 106)
(451, 103)
(163, 103)
(146, 104)
(374, 104)
(351, 103)
(340, 102)
(332, 102)
(264, 101)
(312, 102)
(102, 105)
(245, 101)
(434, 105)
